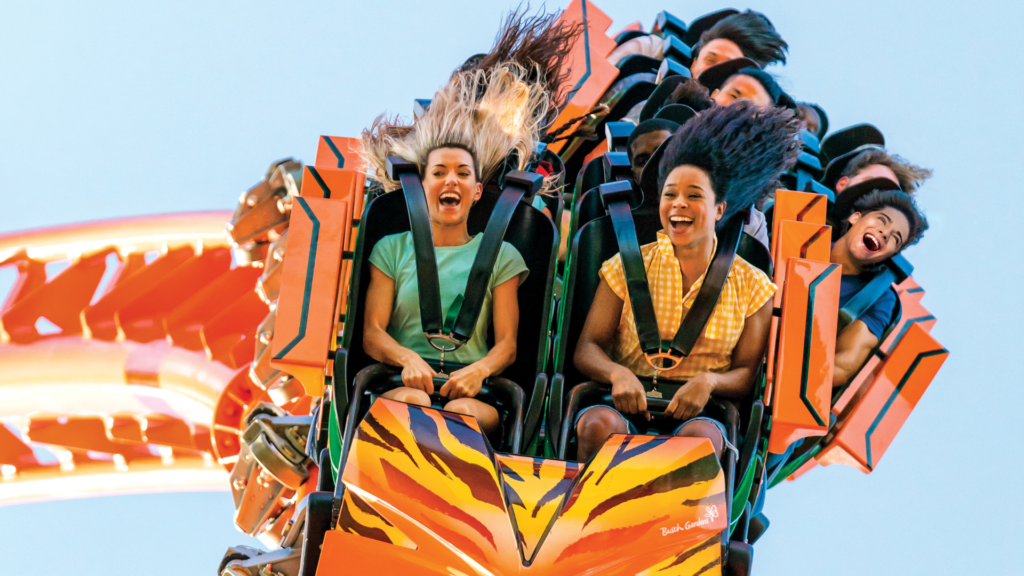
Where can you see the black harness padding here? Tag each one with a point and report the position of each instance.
(422, 240)
(518, 185)
(616, 196)
(692, 325)
(896, 270)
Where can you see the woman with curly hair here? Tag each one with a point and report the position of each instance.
(719, 163)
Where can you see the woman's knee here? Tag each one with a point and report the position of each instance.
(703, 429)
(467, 406)
(598, 423)
(485, 414)
(408, 395)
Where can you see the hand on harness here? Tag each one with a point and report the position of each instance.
(628, 393)
(416, 373)
(465, 382)
(691, 397)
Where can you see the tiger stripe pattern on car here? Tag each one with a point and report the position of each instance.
(424, 487)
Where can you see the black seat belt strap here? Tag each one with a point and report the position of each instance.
(518, 184)
(422, 240)
(616, 197)
(692, 324)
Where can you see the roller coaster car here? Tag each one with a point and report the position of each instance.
(424, 489)
(405, 489)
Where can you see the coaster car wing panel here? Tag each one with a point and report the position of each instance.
(317, 233)
(806, 348)
(428, 482)
(873, 418)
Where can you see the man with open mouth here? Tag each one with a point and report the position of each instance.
(883, 224)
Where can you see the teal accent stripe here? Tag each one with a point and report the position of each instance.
(308, 289)
(911, 322)
(892, 398)
(320, 181)
(337, 153)
(806, 369)
(586, 53)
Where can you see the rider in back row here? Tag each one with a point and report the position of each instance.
(726, 159)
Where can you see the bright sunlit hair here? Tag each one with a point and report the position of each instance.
(491, 113)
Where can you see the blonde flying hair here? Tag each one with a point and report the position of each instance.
(489, 112)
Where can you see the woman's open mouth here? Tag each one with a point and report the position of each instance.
(679, 223)
(450, 199)
(872, 243)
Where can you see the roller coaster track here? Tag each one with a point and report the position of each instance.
(125, 352)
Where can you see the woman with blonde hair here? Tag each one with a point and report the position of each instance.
(491, 112)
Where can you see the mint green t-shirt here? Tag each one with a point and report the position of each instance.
(395, 256)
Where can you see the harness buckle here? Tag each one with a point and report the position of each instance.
(448, 343)
(453, 345)
(656, 361)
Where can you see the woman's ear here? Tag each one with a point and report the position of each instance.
(479, 191)
(854, 218)
(720, 211)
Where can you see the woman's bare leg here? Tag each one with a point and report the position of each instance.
(594, 428)
(485, 414)
(408, 395)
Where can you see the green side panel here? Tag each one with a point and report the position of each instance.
(334, 445)
(741, 492)
(793, 465)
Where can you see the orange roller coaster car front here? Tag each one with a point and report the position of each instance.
(424, 490)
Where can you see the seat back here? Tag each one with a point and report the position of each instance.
(756, 253)
(587, 204)
(593, 245)
(704, 23)
(843, 141)
(529, 231)
(637, 64)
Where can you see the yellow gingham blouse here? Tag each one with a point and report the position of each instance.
(746, 290)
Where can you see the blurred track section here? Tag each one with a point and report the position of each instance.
(125, 349)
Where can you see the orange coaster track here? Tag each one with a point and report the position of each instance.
(114, 368)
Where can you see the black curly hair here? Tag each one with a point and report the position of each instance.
(742, 148)
(874, 201)
(753, 32)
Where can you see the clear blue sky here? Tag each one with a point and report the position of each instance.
(119, 109)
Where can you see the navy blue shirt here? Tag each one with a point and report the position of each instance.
(878, 315)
